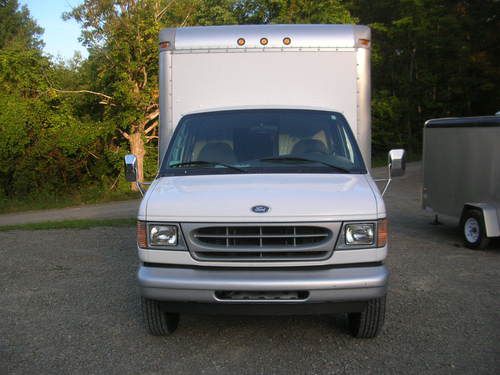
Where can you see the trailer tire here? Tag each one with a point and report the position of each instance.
(368, 323)
(473, 229)
(158, 322)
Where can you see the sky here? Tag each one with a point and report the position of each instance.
(60, 37)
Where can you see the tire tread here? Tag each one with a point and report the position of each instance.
(158, 322)
(368, 323)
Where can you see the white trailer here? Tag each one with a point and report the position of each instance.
(263, 202)
(461, 159)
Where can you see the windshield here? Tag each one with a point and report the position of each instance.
(263, 141)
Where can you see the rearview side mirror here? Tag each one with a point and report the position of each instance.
(397, 162)
(130, 168)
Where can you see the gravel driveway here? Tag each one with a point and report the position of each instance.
(69, 304)
(111, 210)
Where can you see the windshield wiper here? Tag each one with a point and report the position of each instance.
(203, 162)
(300, 159)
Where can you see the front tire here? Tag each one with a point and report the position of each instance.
(473, 229)
(158, 322)
(367, 324)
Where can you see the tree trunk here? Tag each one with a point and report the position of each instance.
(137, 148)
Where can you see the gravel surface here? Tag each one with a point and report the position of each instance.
(69, 304)
(110, 210)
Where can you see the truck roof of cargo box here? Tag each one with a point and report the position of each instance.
(264, 37)
(460, 122)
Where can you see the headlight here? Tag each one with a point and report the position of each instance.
(158, 236)
(359, 234)
(363, 235)
(163, 235)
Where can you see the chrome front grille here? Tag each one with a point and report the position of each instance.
(261, 242)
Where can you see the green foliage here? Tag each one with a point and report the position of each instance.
(430, 59)
(292, 11)
(122, 38)
(22, 71)
(17, 27)
(202, 13)
(387, 110)
(48, 141)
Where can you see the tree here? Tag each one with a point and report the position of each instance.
(46, 140)
(17, 27)
(122, 38)
(292, 11)
(430, 59)
(21, 63)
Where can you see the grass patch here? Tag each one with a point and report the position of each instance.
(71, 224)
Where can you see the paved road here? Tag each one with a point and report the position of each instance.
(69, 304)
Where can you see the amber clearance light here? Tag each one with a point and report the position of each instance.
(165, 44)
(264, 41)
(287, 41)
(241, 41)
(364, 42)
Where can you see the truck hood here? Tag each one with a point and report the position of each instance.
(290, 197)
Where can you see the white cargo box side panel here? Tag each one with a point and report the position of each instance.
(203, 81)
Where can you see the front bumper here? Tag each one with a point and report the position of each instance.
(191, 287)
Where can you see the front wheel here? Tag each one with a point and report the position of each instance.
(473, 229)
(368, 323)
(158, 322)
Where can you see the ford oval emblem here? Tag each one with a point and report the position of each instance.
(260, 209)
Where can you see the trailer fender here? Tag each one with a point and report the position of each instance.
(491, 215)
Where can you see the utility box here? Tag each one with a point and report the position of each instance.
(318, 66)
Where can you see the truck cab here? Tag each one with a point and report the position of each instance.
(262, 205)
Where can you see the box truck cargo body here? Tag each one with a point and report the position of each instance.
(324, 66)
(263, 202)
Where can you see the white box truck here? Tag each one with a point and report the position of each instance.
(263, 203)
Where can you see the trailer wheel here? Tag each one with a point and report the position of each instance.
(473, 229)
(367, 324)
(158, 322)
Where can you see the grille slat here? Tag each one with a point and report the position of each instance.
(261, 236)
(262, 242)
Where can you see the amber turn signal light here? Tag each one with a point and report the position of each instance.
(364, 42)
(382, 233)
(141, 233)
